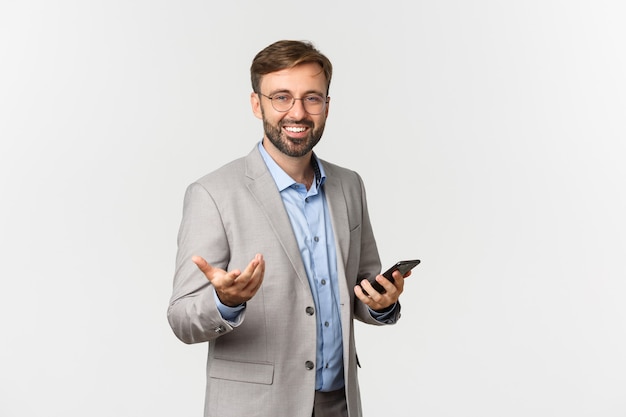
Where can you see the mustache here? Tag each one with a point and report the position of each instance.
(306, 123)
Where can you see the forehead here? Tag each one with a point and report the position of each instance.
(304, 77)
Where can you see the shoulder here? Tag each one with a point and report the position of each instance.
(234, 173)
(224, 174)
(347, 177)
(338, 171)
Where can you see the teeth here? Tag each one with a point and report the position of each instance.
(295, 129)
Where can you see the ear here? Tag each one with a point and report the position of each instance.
(255, 102)
(327, 106)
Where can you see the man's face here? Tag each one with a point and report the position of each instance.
(294, 132)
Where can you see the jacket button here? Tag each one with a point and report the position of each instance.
(309, 365)
(310, 311)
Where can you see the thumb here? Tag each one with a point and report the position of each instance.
(203, 266)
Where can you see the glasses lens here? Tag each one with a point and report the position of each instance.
(314, 104)
(282, 101)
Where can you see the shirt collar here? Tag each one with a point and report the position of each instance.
(281, 178)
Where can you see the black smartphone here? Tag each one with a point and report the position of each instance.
(402, 266)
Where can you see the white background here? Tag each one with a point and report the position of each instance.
(491, 138)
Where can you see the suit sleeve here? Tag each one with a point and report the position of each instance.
(369, 266)
(192, 312)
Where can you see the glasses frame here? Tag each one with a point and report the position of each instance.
(293, 102)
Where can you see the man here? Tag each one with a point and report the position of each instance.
(271, 250)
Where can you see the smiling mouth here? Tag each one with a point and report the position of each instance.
(293, 129)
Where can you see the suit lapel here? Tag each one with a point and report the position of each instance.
(263, 188)
(338, 212)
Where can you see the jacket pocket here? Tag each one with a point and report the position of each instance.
(256, 373)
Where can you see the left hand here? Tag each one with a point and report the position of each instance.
(377, 301)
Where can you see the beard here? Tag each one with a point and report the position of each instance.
(291, 146)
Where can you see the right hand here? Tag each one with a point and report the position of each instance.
(235, 287)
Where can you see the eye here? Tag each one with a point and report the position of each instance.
(314, 99)
(282, 98)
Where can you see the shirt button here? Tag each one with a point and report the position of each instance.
(309, 365)
(326, 324)
(317, 239)
(310, 311)
(323, 282)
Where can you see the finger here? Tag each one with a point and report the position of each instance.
(255, 263)
(398, 280)
(358, 291)
(257, 275)
(248, 274)
(369, 291)
(259, 270)
(211, 273)
(257, 278)
(386, 284)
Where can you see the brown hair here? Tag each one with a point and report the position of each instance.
(287, 54)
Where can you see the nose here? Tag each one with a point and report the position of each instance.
(297, 110)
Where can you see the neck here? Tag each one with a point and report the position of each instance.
(299, 168)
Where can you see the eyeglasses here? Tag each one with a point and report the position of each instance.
(313, 103)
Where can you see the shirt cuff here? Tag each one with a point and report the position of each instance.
(386, 316)
(231, 314)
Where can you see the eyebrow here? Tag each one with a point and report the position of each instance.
(306, 93)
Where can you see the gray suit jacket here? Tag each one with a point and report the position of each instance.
(257, 368)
